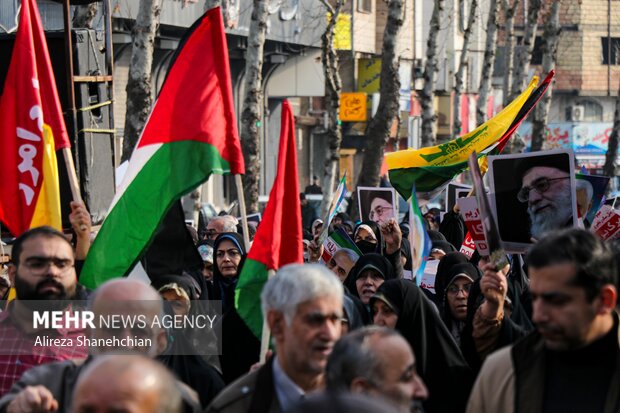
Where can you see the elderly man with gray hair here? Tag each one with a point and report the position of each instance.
(303, 308)
(220, 224)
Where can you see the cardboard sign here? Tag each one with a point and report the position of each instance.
(606, 223)
(428, 279)
(473, 222)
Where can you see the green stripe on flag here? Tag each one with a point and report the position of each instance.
(252, 279)
(131, 224)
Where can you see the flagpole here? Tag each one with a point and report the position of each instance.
(244, 217)
(264, 340)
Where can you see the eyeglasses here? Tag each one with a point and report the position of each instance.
(378, 212)
(39, 265)
(454, 289)
(540, 185)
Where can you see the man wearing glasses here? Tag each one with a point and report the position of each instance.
(546, 188)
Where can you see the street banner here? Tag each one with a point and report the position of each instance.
(190, 134)
(32, 129)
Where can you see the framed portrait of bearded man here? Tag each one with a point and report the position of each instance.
(532, 194)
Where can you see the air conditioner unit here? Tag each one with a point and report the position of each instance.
(577, 113)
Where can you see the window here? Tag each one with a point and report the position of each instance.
(364, 6)
(611, 55)
(537, 50)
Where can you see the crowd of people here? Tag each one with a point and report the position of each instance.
(353, 334)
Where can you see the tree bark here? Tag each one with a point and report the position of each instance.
(427, 130)
(509, 15)
(378, 130)
(486, 78)
(139, 98)
(458, 77)
(251, 115)
(551, 36)
(609, 169)
(84, 15)
(333, 86)
(524, 54)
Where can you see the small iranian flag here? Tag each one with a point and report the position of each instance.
(191, 133)
(278, 240)
(336, 241)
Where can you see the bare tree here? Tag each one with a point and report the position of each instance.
(378, 130)
(524, 53)
(486, 78)
(84, 15)
(510, 9)
(209, 4)
(427, 94)
(609, 169)
(251, 114)
(139, 98)
(458, 77)
(333, 86)
(551, 36)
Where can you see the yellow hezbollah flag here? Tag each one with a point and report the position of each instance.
(434, 166)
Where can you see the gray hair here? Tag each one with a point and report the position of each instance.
(229, 223)
(354, 357)
(295, 284)
(584, 184)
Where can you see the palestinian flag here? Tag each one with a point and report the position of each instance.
(32, 129)
(432, 168)
(191, 133)
(278, 240)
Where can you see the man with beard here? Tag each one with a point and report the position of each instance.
(42, 268)
(571, 363)
(546, 188)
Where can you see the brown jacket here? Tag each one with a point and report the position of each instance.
(254, 392)
(512, 379)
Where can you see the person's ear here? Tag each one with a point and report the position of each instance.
(608, 298)
(360, 385)
(276, 322)
(161, 341)
(12, 273)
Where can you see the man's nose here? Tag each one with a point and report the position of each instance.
(534, 196)
(539, 312)
(420, 391)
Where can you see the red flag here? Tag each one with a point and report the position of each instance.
(278, 240)
(31, 129)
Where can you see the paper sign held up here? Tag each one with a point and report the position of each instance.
(473, 222)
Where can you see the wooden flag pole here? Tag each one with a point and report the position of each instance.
(244, 217)
(264, 340)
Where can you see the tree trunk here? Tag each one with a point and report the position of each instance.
(509, 16)
(458, 77)
(251, 113)
(486, 79)
(427, 131)
(209, 4)
(551, 36)
(524, 54)
(612, 147)
(378, 130)
(333, 86)
(139, 98)
(84, 15)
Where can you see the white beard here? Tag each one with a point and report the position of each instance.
(554, 217)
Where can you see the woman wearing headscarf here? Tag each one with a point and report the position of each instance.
(367, 237)
(368, 273)
(229, 254)
(452, 286)
(402, 305)
(385, 240)
(239, 346)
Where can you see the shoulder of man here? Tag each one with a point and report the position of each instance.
(237, 396)
(494, 389)
(58, 377)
